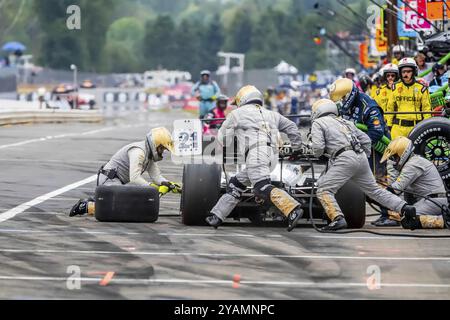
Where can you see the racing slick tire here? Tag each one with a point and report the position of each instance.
(201, 190)
(352, 202)
(431, 138)
(126, 204)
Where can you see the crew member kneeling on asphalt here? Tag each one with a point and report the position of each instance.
(421, 178)
(347, 149)
(256, 129)
(129, 164)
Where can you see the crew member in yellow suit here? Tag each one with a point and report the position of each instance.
(390, 76)
(408, 95)
(376, 84)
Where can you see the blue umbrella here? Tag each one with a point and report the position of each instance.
(13, 46)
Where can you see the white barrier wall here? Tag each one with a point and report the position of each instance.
(12, 105)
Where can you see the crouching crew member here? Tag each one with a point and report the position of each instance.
(422, 184)
(129, 164)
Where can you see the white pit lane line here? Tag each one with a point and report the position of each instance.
(60, 136)
(300, 284)
(197, 235)
(220, 255)
(27, 205)
(76, 134)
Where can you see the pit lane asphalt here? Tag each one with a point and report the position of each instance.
(41, 249)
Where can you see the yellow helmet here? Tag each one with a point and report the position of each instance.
(323, 107)
(340, 88)
(343, 92)
(158, 140)
(399, 151)
(248, 94)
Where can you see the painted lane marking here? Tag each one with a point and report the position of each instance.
(61, 162)
(225, 255)
(68, 135)
(60, 136)
(193, 235)
(27, 205)
(229, 282)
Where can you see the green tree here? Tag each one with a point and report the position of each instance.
(60, 47)
(159, 43)
(86, 45)
(121, 58)
(267, 42)
(96, 19)
(125, 38)
(187, 54)
(212, 42)
(240, 33)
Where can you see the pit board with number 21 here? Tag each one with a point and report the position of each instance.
(187, 135)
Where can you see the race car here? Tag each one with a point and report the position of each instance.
(204, 183)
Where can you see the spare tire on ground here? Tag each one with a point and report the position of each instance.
(352, 202)
(126, 204)
(431, 138)
(201, 190)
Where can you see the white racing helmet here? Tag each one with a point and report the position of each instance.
(205, 73)
(398, 49)
(408, 63)
(350, 70)
(390, 68)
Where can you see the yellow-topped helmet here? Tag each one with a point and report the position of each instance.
(322, 108)
(398, 151)
(343, 92)
(247, 95)
(158, 140)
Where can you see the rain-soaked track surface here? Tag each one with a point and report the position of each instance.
(41, 248)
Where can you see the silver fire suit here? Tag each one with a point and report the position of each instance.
(130, 163)
(257, 130)
(421, 177)
(348, 149)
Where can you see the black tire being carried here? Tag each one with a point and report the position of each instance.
(201, 190)
(352, 202)
(431, 138)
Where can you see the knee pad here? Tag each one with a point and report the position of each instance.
(283, 201)
(236, 188)
(432, 222)
(329, 204)
(262, 190)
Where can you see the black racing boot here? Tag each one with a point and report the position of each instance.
(409, 218)
(81, 208)
(409, 212)
(386, 222)
(411, 224)
(380, 218)
(337, 224)
(293, 218)
(214, 221)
